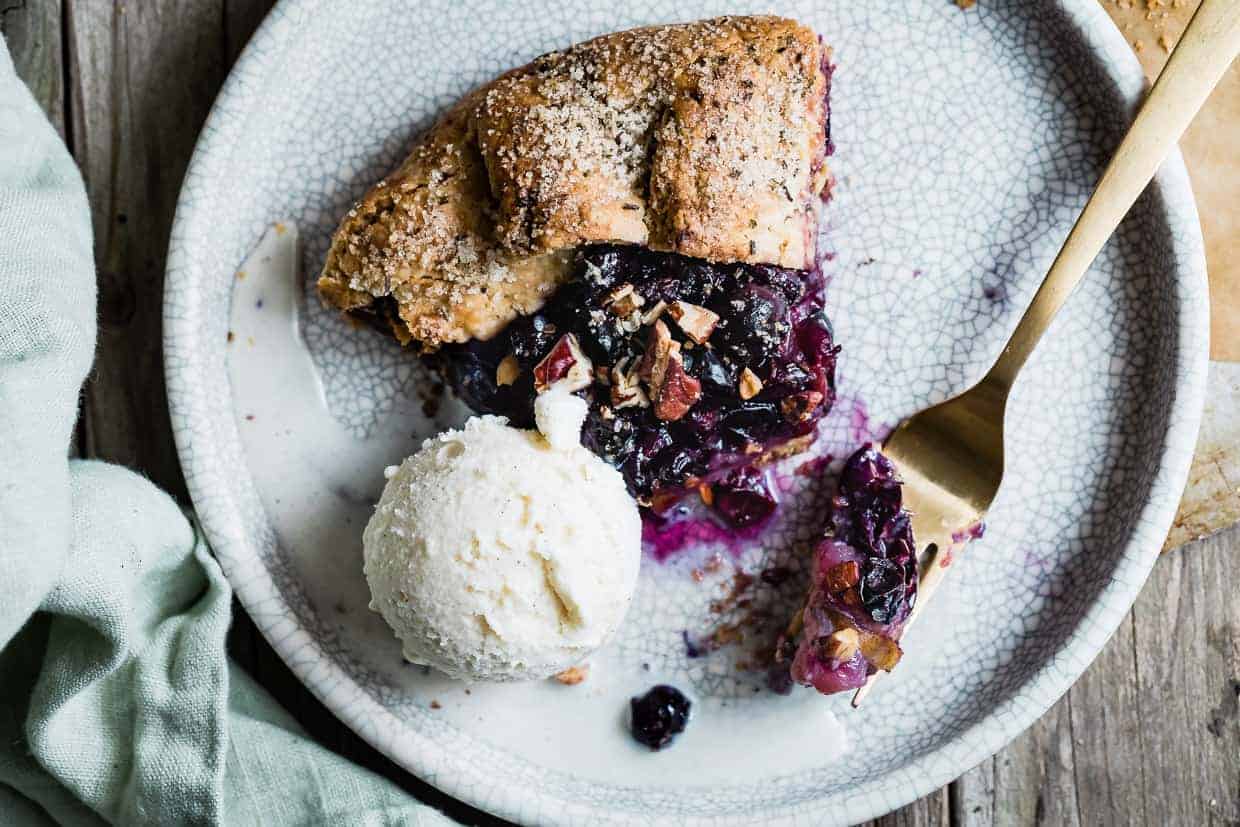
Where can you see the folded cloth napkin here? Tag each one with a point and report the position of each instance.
(117, 700)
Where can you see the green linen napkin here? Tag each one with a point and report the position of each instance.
(117, 700)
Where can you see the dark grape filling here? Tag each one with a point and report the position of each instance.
(864, 580)
(658, 716)
(771, 326)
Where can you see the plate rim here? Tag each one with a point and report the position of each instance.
(219, 514)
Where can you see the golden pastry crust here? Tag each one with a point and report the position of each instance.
(705, 139)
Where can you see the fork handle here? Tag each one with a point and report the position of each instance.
(1209, 44)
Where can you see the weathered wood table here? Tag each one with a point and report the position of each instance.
(1150, 734)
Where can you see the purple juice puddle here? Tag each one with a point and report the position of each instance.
(973, 532)
(859, 421)
(664, 538)
(864, 580)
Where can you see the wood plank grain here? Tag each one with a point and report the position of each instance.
(972, 796)
(1150, 734)
(142, 77)
(931, 811)
(1188, 671)
(1105, 719)
(32, 31)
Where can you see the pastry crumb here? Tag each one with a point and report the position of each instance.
(573, 675)
(966, 4)
(436, 705)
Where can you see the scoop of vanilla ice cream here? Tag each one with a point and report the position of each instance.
(500, 554)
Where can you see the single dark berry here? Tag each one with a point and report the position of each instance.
(659, 716)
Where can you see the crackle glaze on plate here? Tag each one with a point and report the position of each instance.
(966, 144)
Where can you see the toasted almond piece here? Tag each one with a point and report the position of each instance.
(507, 371)
(842, 644)
(883, 652)
(573, 675)
(696, 321)
(750, 384)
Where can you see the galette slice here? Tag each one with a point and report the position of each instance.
(635, 215)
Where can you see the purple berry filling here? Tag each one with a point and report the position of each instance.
(864, 580)
(769, 326)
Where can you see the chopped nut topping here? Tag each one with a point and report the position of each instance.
(672, 390)
(842, 644)
(624, 301)
(653, 313)
(573, 675)
(800, 406)
(706, 493)
(632, 323)
(843, 576)
(507, 371)
(628, 397)
(750, 384)
(696, 321)
(626, 389)
(884, 653)
(567, 364)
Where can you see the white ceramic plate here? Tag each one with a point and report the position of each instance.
(966, 143)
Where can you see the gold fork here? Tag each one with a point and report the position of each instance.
(950, 456)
